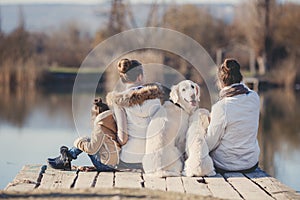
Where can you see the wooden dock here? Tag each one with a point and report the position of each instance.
(256, 185)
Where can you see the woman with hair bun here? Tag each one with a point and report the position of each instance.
(232, 133)
(121, 127)
(133, 109)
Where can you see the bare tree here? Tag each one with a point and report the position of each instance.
(0, 20)
(287, 27)
(68, 46)
(198, 24)
(254, 20)
(152, 16)
(117, 18)
(270, 29)
(121, 17)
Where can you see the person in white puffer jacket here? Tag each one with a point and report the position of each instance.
(133, 110)
(122, 126)
(232, 133)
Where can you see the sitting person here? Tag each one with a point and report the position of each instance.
(232, 133)
(103, 157)
(132, 110)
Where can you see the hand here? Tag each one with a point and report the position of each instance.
(122, 138)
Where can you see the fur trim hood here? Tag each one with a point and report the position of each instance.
(136, 95)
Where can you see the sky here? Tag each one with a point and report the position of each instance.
(132, 1)
(99, 1)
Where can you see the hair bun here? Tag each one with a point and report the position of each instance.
(124, 65)
(229, 72)
(225, 68)
(230, 66)
(97, 101)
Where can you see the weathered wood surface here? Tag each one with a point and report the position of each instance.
(220, 188)
(256, 185)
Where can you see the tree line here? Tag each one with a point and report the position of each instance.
(268, 28)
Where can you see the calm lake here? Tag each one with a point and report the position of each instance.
(33, 125)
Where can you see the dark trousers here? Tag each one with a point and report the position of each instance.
(223, 171)
(94, 158)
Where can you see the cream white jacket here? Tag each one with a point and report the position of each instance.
(133, 110)
(232, 133)
(138, 119)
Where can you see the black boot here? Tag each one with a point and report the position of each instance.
(63, 161)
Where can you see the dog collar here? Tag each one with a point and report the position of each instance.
(176, 104)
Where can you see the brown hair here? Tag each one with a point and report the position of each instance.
(129, 70)
(98, 107)
(229, 72)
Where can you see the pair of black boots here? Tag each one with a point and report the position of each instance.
(63, 161)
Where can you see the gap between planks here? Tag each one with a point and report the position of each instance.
(228, 186)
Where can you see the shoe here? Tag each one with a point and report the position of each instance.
(63, 161)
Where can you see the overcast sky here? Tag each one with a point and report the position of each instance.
(99, 1)
(132, 1)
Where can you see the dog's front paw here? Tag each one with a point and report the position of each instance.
(212, 173)
(187, 173)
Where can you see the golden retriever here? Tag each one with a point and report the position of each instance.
(166, 134)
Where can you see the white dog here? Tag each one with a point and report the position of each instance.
(198, 162)
(166, 134)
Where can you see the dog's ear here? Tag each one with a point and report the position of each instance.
(174, 96)
(197, 88)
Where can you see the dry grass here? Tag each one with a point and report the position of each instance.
(20, 74)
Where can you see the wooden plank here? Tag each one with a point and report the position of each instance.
(272, 185)
(246, 187)
(174, 184)
(105, 180)
(235, 185)
(53, 179)
(128, 180)
(85, 179)
(220, 188)
(154, 183)
(195, 185)
(26, 179)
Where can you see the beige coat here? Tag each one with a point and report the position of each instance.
(103, 140)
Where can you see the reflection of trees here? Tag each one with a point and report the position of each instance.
(279, 124)
(18, 104)
(56, 104)
(15, 104)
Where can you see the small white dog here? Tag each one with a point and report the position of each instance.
(198, 162)
(166, 134)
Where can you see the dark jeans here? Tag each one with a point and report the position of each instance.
(223, 171)
(136, 167)
(74, 152)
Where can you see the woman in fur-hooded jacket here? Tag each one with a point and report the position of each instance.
(133, 109)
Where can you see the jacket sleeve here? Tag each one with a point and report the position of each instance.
(216, 128)
(121, 120)
(90, 145)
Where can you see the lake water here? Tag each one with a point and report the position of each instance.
(33, 125)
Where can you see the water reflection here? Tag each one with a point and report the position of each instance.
(279, 135)
(14, 106)
(33, 124)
